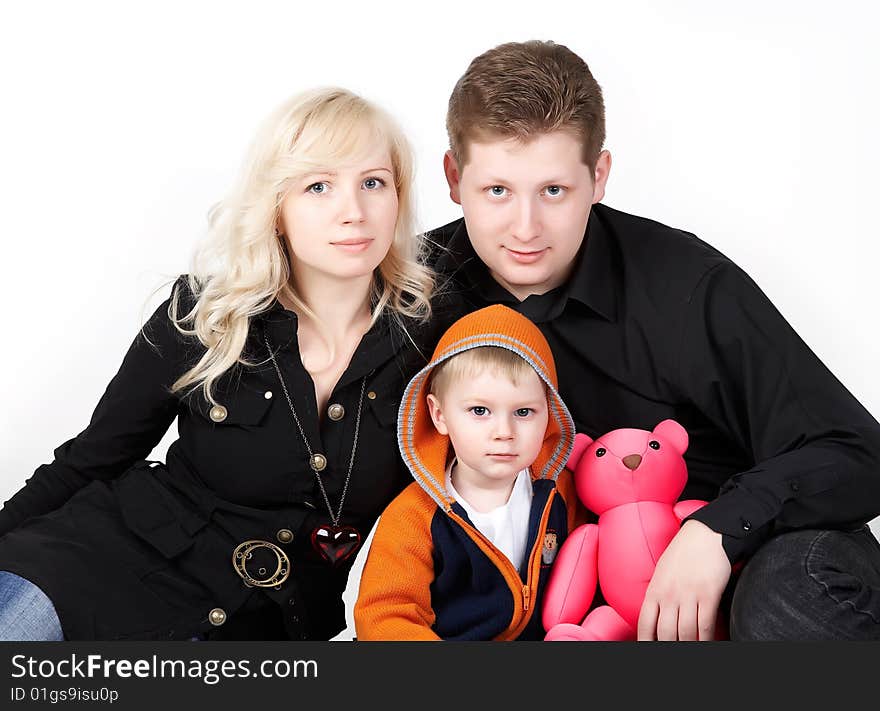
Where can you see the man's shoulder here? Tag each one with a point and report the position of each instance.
(654, 254)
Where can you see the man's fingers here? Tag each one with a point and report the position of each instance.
(647, 631)
(667, 623)
(687, 622)
(706, 615)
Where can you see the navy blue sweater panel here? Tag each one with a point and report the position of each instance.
(469, 595)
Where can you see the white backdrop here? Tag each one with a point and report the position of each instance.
(753, 125)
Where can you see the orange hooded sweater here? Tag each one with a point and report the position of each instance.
(430, 574)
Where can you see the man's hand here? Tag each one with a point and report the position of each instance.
(682, 599)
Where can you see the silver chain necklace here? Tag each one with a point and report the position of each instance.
(318, 462)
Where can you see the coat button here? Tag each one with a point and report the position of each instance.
(371, 395)
(336, 412)
(285, 535)
(318, 462)
(217, 616)
(268, 394)
(747, 526)
(218, 413)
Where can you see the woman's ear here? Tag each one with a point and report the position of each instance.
(436, 413)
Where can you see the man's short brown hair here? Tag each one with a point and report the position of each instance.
(521, 89)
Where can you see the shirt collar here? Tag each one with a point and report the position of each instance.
(592, 282)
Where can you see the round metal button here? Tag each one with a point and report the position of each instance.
(747, 526)
(268, 394)
(285, 535)
(371, 395)
(336, 412)
(318, 462)
(217, 616)
(218, 413)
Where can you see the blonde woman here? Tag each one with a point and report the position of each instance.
(283, 355)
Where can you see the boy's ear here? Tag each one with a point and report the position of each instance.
(600, 176)
(437, 415)
(453, 176)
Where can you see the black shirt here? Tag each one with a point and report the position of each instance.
(654, 323)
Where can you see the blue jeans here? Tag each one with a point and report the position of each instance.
(26, 614)
(810, 585)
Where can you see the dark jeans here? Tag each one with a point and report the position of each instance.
(810, 585)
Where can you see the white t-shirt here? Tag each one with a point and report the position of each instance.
(506, 526)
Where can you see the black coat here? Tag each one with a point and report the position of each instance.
(128, 549)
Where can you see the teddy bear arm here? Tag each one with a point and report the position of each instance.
(573, 578)
(685, 508)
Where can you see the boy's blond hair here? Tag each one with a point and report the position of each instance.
(522, 89)
(474, 361)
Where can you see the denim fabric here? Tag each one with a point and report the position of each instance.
(810, 585)
(26, 614)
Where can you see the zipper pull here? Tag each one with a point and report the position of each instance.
(526, 592)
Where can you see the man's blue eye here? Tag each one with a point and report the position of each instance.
(497, 190)
(554, 190)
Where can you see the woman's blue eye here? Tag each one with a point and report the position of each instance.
(479, 411)
(373, 183)
(523, 412)
(317, 188)
(553, 190)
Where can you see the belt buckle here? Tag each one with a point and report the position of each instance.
(243, 551)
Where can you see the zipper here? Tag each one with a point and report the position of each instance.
(509, 572)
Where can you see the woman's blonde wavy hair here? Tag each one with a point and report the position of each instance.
(243, 266)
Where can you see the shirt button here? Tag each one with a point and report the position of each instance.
(747, 526)
(218, 413)
(336, 412)
(318, 462)
(217, 616)
(371, 395)
(795, 486)
(285, 535)
(268, 394)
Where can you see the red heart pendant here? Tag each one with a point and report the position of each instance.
(336, 543)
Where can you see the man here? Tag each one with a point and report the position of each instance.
(647, 323)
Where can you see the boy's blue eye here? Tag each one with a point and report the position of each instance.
(317, 188)
(479, 410)
(523, 412)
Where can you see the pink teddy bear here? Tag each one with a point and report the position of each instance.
(632, 479)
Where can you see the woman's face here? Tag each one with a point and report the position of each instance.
(340, 222)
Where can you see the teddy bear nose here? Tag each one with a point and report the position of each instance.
(632, 461)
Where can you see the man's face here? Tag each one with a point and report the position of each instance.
(526, 206)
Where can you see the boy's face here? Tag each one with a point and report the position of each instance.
(495, 427)
(526, 206)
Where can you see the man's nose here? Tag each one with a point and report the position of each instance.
(527, 225)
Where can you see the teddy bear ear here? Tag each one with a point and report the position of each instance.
(673, 433)
(581, 443)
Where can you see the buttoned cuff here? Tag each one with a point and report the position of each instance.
(743, 520)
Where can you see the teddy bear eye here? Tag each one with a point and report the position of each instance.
(600, 452)
(654, 444)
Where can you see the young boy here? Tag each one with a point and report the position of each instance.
(653, 323)
(463, 553)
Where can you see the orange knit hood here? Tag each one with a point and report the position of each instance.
(425, 450)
